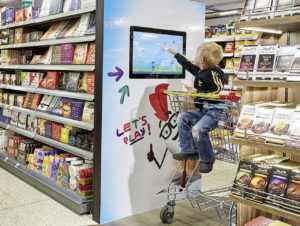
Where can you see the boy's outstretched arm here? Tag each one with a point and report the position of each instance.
(185, 63)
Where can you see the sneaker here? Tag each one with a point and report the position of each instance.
(186, 156)
(206, 167)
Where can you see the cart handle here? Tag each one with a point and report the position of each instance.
(223, 95)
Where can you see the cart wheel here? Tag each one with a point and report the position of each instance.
(166, 216)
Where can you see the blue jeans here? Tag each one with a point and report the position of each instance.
(193, 129)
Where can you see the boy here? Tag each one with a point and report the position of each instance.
(194, 125)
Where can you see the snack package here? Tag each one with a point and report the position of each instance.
(14, 118)
(248, 61)
(284, 59)
(66, 108)
(91, 54)
(229, 63)
(67, 28)
(229, 47)
(19, 16)
(76, 109)
(266, 60)
(71, 33)
(91, 83)
(35, 59)
(20, 101)
(30, 100)
(11, 100)
(293, 132)
(88, 112)
(51, 80)
(72, 81)
(56, 54)
(245, 121)
(57, 109)
(280, 125)
(293, 191)
(26, 37)
(45, 103)
(65, 135)
(80, 53)
(48, 129)
(19, 35)
(67, 52)
(36, 101)
(82, 85)
(11, 36)
(23, 118)
(35, 36)
(56, 131)
(32, 123)
(28, 13)
(41, 126)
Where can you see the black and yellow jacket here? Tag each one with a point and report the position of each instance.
(206, 81)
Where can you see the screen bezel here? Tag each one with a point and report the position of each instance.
(157, 75)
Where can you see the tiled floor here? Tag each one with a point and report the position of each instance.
(21, 204)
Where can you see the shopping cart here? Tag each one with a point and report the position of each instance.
(224, 150)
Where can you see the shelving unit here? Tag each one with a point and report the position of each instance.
(268, 91)
(63, 195)
(220, 39)
(57, 192)
(267, 208)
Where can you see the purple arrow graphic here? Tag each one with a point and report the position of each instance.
(119, 73)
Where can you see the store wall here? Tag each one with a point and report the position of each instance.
(129, 182)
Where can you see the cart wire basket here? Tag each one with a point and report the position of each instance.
(223, 149)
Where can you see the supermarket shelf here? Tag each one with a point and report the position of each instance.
(61, 93)
(220, 39)
(46, 67)
(18, 88)
(237, 54)
(17, 130)
(267, 208)
(269, 146)
(227, 54)
(46, 19)
(65, 147)
(266, 83)
(228, 71)
(14, 108)
(50, 42)
(67, 121)
(284, 24)
(57, 192)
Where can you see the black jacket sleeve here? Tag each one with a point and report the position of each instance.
(186, 64)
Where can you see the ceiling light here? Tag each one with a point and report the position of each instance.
(231, 12)
(264, 30)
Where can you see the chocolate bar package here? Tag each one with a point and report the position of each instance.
(66, 108)
(80, 53)
(45, 103)
(26, 37)
(51, 80)
(19, 16)
(91, 83)
(56, 55)
(67, 28)
(259, 183)
(11, 39)
(19, 35)
(266, 60)
(48, 129)
(13, 79)
(67, 52)
(10, 16)
(76, 109)
(91, 54)
(35, 13)
(293, 192)
(14, 118)
(28, 13)
(32, 123)
(53, 103)
(36, 101)
(22, 123)
(41, 126)
(56, 131)
(20, 101)
(35, 36)
(12, 100)
(72, 81)
(88, 112)
(82, 84)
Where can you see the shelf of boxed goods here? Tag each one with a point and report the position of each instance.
(59, 193)
(46, 67)
(65, 147)
(278, 84)
(55, 118)
(89, 38)
(265, 207)
(269, 146)
(46, 19)
(280, 24)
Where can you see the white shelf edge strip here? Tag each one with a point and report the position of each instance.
(46, 67)
(50, 42)
(18, 109)
(65, 147)
(17, 130)
(49, 18)
(67, 121)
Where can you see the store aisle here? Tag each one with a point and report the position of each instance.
(21, 204)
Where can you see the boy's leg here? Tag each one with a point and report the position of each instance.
(200, 131)
(186, 120)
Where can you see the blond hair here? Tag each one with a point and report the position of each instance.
(211, 52)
